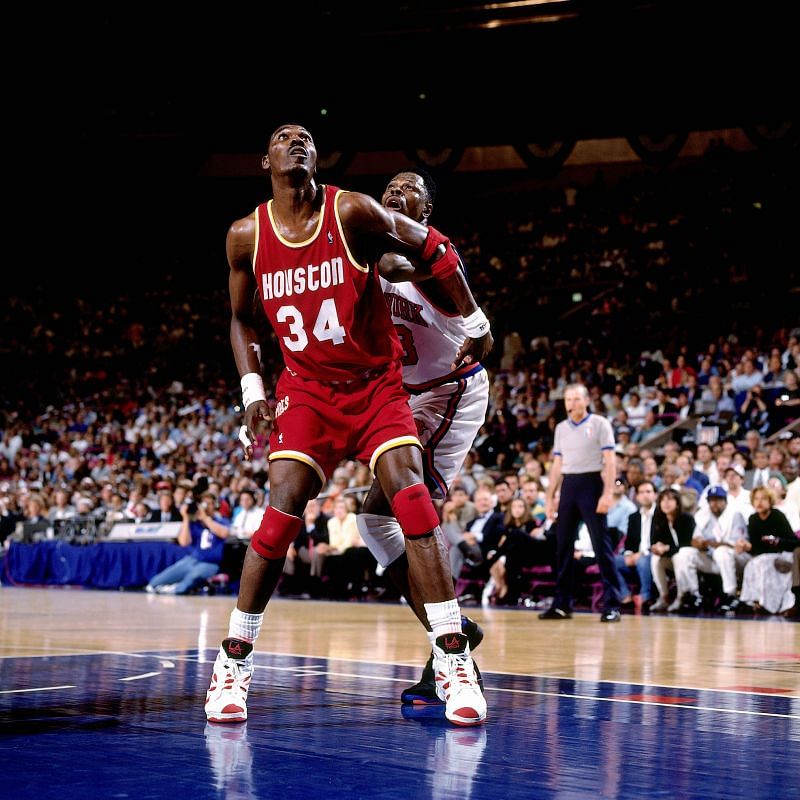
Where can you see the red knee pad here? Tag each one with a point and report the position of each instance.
(414, 510)
(275, 533)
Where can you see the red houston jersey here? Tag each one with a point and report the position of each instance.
(327, 309)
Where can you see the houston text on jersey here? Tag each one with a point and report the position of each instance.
(298, 280)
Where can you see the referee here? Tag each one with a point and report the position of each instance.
(584, 454)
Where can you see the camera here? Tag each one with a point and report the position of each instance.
(191, 507)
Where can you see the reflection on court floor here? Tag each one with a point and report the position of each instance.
(131, 725)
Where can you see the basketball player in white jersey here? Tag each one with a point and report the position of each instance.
(448, 403)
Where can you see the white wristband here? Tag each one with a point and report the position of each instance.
(244, 436)
(252, 389)
(476, 324)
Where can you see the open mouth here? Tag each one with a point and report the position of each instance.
(393, 202)
(299, 151)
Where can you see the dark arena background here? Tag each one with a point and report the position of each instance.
(620, 179)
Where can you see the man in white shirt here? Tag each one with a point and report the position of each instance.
(717, 530)
(247, 516)
(738, 497)
(761, 473)
(705, 463)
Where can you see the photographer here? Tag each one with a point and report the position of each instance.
(203, 533)
(754, 413)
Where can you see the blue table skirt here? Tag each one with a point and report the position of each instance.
(108, 565)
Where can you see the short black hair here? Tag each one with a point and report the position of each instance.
(287, 125)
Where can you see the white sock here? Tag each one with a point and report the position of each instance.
(245, 626)
(431, 637)
(444, 617)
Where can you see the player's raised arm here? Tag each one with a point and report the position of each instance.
(244, 341)
(423, 252)
(371, 227)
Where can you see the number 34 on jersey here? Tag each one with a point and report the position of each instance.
(326, 326)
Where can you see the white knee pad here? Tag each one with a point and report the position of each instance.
(383, 536)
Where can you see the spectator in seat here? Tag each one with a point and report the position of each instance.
(738, 496)
(299, 569)
(787, 403)
(166, 511)
(462, 506)
(518, 527)
(345, 559)
(634, 563)
(716, 407)
(665, 410)
(247, 516)
(203, 536)
(61, 508)
(465, 545)
(672, 529)
(635, 410)
(705, 464)
(754, 411)
(767, 580)
(760, 474)
(746, 376)
(714, 549)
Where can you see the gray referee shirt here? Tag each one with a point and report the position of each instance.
(581, 445)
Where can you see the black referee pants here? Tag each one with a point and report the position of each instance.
(579, 496)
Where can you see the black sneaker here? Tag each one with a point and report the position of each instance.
(555, 613)
(473, 631)
(692, 604)
(424, 692)
(727, 604)
(612, 615)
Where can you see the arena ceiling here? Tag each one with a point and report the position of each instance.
(423, 74)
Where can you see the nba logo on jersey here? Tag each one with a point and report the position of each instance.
(588, 431)
(330, 238)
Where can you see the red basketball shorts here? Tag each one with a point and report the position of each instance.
(320, 424)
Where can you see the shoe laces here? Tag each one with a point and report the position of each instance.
(234, 675)
(460, 669)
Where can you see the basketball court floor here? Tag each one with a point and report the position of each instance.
(101, 696)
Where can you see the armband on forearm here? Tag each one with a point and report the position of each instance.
(252, 389)
(446, 265)
(476, 324)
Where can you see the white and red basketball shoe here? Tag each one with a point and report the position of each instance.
(226, 699)
(456, 681)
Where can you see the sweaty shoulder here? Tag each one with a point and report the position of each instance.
(355, 207)
(241, 239)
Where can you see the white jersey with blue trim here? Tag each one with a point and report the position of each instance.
(430, 336)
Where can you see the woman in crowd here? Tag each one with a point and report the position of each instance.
(514, 540)
(672, 529)
(767, 580)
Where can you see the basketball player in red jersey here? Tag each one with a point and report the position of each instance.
(340, 396)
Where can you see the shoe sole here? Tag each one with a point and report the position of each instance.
(227, 718)
(420, 700)
(465, 722)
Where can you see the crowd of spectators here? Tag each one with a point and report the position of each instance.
(663, 293)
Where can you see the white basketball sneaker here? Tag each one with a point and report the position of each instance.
(226, 699)
(456, 682)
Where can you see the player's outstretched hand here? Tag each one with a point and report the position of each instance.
(473, 350)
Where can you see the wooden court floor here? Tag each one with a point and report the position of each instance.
(651, 707)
